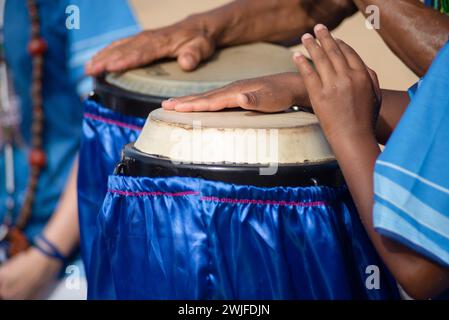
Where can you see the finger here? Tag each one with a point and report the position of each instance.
(213, 102)
(262, 100)
(331, 48)
(322, 63)
(311, 78)
(98, 62)
(191, 54)
(127, 60)
(171, 104)
(376, 84)
(354, 60)
(98, 65)
(110, 49)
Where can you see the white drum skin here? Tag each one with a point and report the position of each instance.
(235, 137)
(166, 79)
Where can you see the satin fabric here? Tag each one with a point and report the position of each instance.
(187, 238)
(104, 134)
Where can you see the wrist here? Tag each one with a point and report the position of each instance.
(44, 262)
(352, 135)
(214, 25)
(49, 249)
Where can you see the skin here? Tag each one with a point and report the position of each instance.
(411, 17)
(278, 93)
(242, 21)
(28, 274)
(196, 38)
(345, 96)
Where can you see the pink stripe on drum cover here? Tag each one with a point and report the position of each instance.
(113, 122)
(154, 193)
(266, 202)
(216, 199)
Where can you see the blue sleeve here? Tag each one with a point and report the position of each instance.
(413, 89)
(412, 174)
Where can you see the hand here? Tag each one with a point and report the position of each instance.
(242, 21)
(25, 275)
(344, 92)
(266, 94)
(188, 41)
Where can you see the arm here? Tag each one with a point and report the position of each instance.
(245, 21)
(427, 30)
(27, 274)
(345, 96)
(419, 277)
(242, 21)
(394, 104)
(62, 230)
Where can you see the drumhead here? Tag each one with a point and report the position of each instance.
(235, 137)
(138, 92)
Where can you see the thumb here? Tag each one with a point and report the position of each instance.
(192, 53)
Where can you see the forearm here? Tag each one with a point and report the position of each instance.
(62, 230)
(419, 277)
(244, 21)
(422, 39)
(394, 104)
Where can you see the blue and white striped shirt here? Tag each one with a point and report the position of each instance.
(411, 179)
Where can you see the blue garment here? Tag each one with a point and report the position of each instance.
(188, 238)
(117, 21)
(62, 107)
(412, 174)
(105, 132)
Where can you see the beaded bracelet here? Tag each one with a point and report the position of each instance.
(49, 249)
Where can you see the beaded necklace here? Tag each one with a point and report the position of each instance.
(13, 232)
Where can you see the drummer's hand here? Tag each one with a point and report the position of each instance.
(266, 94)
(186, 41)
(344, 92)
(25, 275)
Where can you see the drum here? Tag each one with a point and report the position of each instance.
(232, 205)
(116, 112)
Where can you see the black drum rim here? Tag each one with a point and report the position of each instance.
(138, 164)
(124, 101)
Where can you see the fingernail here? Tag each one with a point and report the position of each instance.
(297, 55)
(320, 27)
(307, 36)
(165, 102)
(188, 59)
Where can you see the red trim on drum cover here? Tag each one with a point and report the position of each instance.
(216, 199)
(266, 202)
(154, 193)
(110, 121)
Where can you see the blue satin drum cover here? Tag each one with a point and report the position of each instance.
(182, 219)
(115, 114)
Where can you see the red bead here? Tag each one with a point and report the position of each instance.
(37, 158)
(37, 47)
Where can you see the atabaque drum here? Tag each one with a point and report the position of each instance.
(117, 110)
(232, 205)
